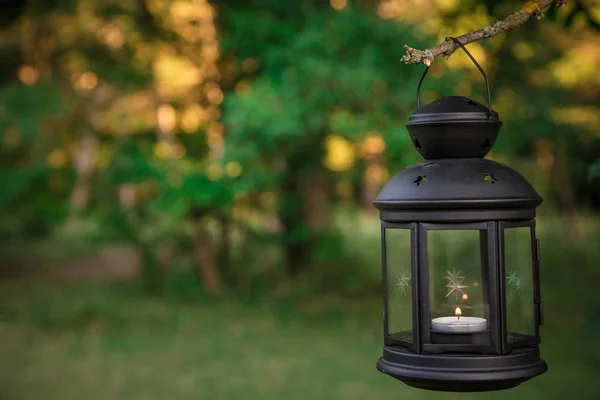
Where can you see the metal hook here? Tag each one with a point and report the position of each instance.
(487, 83)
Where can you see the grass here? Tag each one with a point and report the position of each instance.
(100, 341)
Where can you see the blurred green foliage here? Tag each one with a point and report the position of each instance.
(228, 134)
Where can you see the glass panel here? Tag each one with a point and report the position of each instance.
(518, 264)
(399, 283)
(457, 294)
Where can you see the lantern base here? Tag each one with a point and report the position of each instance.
(461, 372)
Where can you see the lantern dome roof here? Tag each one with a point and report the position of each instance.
(475, 188)
(454, 127)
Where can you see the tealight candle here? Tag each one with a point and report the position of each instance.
(458, 324)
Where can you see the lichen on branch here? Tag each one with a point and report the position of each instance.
(533, 8)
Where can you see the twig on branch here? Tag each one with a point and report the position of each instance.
(533, 8)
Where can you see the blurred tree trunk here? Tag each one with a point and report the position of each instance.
(163, 253)
(303, 206)
(565, 193)
(225, 242)
(84, 162)
(87, 115)
(205, 258)
(316, 195)
(291, 215)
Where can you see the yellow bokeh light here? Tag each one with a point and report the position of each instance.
(586, 57)
(446, 5)
(185, 11)
(166, 118)
(112, 36)
(210, 51)
(191, 118)
(57, 158)
(338, 4)
(215, 141)
(28, 75)
(460, 60)
(214, 172)
(166, 150)
(376, 173)
(373, 144)
(162, 149)
(582, 116)
(522, 51)
(233, 169)
(215, 96)
(175, 74)
(193, 20)
(340, 154)
(86, 81)
(392, 9)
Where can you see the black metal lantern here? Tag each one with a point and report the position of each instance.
(462, 304)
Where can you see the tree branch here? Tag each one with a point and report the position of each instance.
(532, 8)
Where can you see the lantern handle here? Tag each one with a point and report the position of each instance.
(487, 83)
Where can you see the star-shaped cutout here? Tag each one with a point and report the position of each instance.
(455, 283)
(403, 281)
(490, 178)
(514, 281)
(420, 179)
(512, 277)
(418, 145)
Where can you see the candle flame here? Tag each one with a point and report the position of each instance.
(458, 312)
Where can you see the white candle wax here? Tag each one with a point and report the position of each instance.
(458, 324)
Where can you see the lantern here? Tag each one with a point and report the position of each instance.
(461, 287)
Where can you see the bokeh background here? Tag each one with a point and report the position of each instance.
(186, 188)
